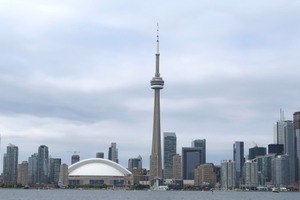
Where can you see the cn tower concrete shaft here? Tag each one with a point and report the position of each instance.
(157, 84)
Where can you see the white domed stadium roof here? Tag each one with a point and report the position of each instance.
(97, 167)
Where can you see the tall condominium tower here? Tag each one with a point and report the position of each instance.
(239, 160)
(228, 174)
(297, 144)
(169, 152)
(201, 144)
(285, 134)
(157, 84)
(113, 152)
(32, 168)
(63, 175)
(10, 165)
(43, 164)
(251, 173)
(54, 170)
(280, 170)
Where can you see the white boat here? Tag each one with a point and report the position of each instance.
(275, 189)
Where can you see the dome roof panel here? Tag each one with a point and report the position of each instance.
(97, 167)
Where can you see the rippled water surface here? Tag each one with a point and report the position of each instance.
(32, 194)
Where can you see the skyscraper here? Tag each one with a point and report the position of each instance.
(43, 164)
(135, 163)
(177, 169)
(54, 170)
(10, 165)
(169, 152)
(239, 160)
(201, 144)
(275, 148)
(75, 158)
(228, 174)
(32, 169)
(23, 173)
(284, 131)
(157, 84)
(191, 158)
(113, 152)
(251, 173)
(289, 148)
(280, 171)
(256, 151)
(63, 175)
(297, 144)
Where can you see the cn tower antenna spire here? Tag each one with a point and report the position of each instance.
(157, 40)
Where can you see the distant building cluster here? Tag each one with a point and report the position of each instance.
(41, 170)
(277, 167)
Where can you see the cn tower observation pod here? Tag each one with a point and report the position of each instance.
(98, 171)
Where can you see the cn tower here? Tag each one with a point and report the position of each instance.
(157, 84)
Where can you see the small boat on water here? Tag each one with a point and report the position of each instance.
(157, 187)
(275, 189)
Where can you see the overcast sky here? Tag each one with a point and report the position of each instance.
(75, 75)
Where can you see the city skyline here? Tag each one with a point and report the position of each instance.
(239, 153)
(75, 76)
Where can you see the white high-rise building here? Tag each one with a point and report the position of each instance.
(251, 175)
(227, 174)
(280, 171)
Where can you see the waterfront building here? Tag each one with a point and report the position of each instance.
(228, 173)
(98, 171)
(43, 164)
(157, 83)
(289, 148)
(250, 169)
(32, 169)
(113, 152)
(191, 158)
(169, 152)
(135, 163)
(177, 169)
(296, 118)
(201, 143)
(280, 171)
(55, 164)
(264, 169)
(204, 174)
(10, 165)
(23, 173)
(239, 160)
(256, 151)
(63, 176)
(285, 134)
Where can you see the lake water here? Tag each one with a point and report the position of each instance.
(32, 194)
